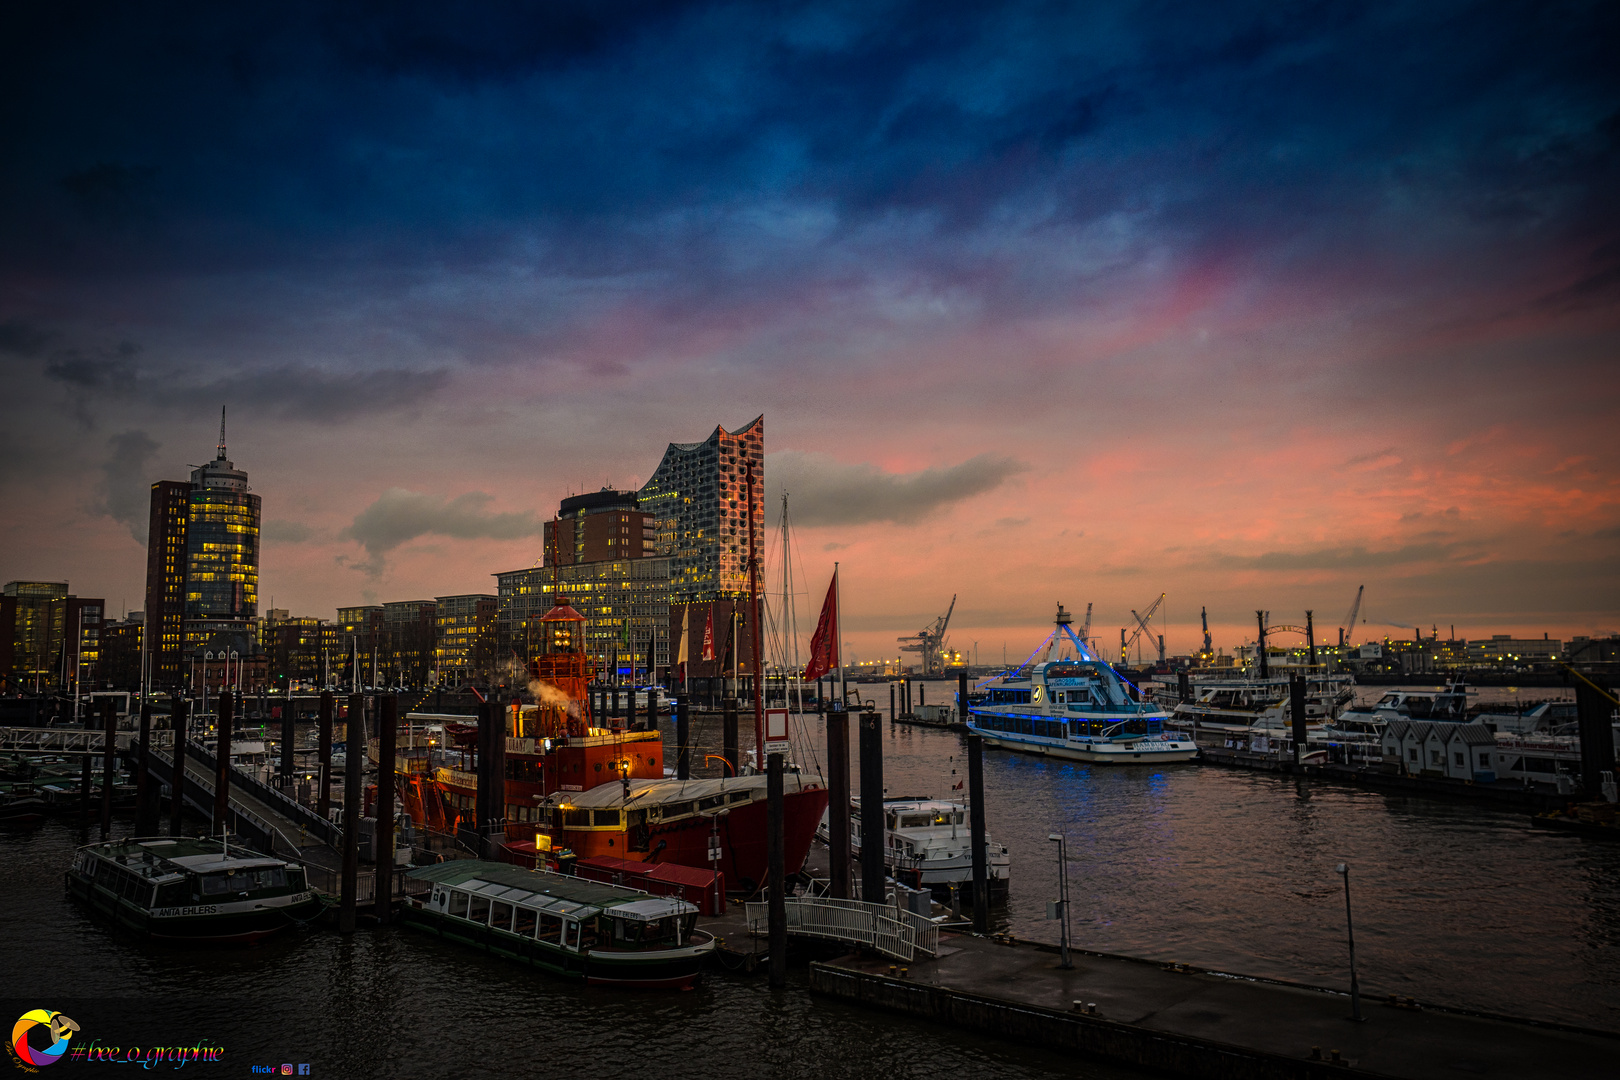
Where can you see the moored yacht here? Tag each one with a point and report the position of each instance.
(1079, 709)
(925, 845)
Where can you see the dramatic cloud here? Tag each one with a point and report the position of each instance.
(125, 491)
(399, 516)
(824, 491)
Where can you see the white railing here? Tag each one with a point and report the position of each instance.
(66, 740)
(892, 931)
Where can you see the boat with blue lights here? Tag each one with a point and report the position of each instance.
(1078, 709)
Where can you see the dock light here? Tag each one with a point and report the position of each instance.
(1063, 895)
(1343, 870)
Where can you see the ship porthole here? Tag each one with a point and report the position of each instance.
(610, 843)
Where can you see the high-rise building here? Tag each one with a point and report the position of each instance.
(166, 581)
(699, 499)
(222, 551)
(202, 565)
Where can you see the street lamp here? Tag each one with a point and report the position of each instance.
(1350, 933)
(1060, 907)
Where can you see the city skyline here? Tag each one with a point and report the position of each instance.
(1251, 308)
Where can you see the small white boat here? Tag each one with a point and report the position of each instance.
(925, 845)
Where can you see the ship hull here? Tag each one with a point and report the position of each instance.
(672, 969)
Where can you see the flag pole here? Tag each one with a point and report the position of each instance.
(838, 645)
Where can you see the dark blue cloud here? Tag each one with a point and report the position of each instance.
(654, 136)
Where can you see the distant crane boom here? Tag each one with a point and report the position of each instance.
(1350, 620)
(930, 642)
(1141, 628)
(1203, 615)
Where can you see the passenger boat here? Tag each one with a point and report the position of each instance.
(1450, 705)
(1238, 705)
(191, 889)
(1078, 709)
(925, 845)
(605, 934)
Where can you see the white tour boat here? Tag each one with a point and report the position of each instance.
(1076, 709)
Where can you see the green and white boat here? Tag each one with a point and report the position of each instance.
(191, 889)
(604, 934)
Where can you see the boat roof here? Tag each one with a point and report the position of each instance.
(653, 792)
(553, 894)
(169, 855)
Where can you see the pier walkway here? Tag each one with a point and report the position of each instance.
(1197, 1023)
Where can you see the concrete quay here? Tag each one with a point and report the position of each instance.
(1205, 1024)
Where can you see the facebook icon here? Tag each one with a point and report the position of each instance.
(303, 1070)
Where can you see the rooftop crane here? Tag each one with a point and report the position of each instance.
(930, 641)
(1085, 628)
(1350, 620)
(1141, 628)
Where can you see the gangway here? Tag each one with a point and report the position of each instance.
(70, 740)
(892, 931)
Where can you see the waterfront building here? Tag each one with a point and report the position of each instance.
(360, 633)
(49, 638)
(625, 603)
(301, 653)
(1505, 649)
(698, 499)
(407, 656)
(119, 667)
(602, 526)
(464, 637)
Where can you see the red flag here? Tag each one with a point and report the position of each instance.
(708, 637)
(824, 643)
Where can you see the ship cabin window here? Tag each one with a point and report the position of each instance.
(576, 819)
(665, 931)
(524, 926)
(550, 928)
(500, 916)
(218, 884)
(1009, 697)
(479, 911)
(606, 818)
(171, 894)
(458, 903)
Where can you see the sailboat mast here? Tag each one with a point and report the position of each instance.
(790, 611)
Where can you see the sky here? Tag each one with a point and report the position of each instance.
(1251, 305)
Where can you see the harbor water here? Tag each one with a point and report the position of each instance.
(1454, 903)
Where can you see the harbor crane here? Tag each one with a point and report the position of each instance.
(1350, 620)
(1141, 628)
(930, 642)
(1203, 616)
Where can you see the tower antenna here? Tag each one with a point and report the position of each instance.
(222, 432)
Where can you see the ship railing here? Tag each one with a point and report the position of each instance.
(892, 931)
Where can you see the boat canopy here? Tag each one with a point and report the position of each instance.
(553, 894)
